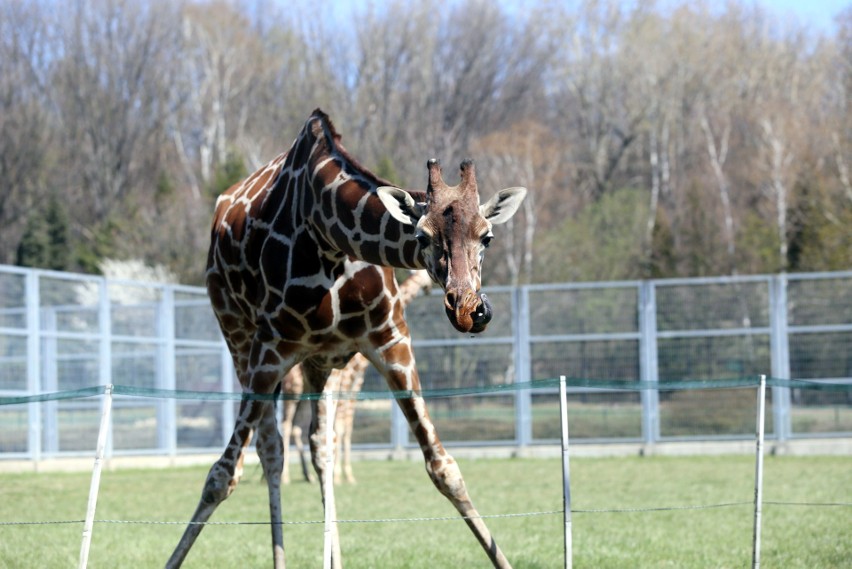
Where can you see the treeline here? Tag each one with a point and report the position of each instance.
(655, 141)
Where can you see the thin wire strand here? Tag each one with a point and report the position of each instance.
(453, 518)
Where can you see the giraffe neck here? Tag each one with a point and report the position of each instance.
(347, 216)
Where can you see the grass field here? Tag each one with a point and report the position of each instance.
(793, 536)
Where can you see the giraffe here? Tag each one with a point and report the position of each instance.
(351, 380)
(300, 271)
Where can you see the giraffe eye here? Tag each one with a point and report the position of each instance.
(486, 241)
(423, 239)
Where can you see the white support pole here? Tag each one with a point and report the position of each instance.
(328, 481)
(566, 472)
(758, 473)
(96, 478)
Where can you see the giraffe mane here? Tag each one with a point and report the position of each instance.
(335, 145)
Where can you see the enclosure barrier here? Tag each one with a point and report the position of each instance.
(759, 383)
(61, 331)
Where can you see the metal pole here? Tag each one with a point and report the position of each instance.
(328, 481)
(648, 363)
(521, 355)
(566, 472)
(779, 347)
(34, 359)
(758, 473)
(96, 478)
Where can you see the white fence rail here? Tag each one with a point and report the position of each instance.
(61, 331)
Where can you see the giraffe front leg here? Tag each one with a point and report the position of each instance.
(447, 477)
(397, 365)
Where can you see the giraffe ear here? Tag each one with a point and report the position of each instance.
(503, 206)
(400, 204)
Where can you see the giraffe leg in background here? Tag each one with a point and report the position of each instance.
(288, 431)
(343, 379)
(360, 365)
(293, 386)
(342, 429)
(291, 431)
(300, 448)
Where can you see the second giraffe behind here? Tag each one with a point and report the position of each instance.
(348, 380)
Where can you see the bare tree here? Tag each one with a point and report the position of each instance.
(597, 114)
(24, 122)
(111, 90)
(731, 129)
(433, 79)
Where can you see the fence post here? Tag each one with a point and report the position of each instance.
(648, 363)
(399, 428)
(49, 354)
(328, 481)
(167, 426)
(105, 341)
(523, 397)
(31, 300)
(779, 342)
(566, 473)
(227, 385)
(96, 478)
(758, 473)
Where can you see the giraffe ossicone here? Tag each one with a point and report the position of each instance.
(300, 271)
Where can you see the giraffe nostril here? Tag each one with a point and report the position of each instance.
(450, 300)
(482, 315)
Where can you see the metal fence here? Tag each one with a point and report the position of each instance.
(61, 331)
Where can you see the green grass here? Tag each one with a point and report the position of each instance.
(793, 536)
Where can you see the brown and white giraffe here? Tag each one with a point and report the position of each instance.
(299, 272)
(351, 380)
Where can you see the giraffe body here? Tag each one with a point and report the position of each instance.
(299, 272)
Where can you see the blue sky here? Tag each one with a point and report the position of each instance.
(816, 14)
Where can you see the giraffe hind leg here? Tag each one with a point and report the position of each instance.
(270, 450)
(226, 472)
(221, 481)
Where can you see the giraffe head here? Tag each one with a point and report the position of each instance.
(453, 230)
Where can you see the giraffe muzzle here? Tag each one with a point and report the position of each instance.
(468, 313)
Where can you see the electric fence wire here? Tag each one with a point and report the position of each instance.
(450, 518)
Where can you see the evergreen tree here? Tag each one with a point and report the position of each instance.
(45, 243)
(228, 173)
